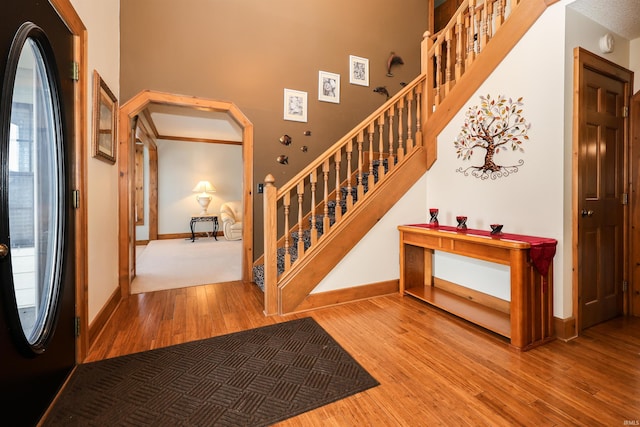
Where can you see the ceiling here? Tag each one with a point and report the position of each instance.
(185, 123)
(620, 16)
(191, 124)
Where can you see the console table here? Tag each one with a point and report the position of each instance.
(203, 218)
(527, 320)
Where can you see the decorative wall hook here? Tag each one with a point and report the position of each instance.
(393, 60)
(382, 90)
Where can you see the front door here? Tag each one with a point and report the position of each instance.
(37, 295)
(602, 198)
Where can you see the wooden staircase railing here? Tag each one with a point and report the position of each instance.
(341, 178)
(452, 56)
(364, 159)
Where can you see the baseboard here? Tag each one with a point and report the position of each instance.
(103, 316)
(565, 328)
(142, 242)
(342, 296)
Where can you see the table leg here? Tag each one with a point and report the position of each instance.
(193, 235)
(215, 228)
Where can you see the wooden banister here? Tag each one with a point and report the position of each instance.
(367, 156)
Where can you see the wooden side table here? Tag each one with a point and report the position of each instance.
(527, 320)
(203, 218)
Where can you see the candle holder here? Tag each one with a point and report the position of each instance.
(462, 222)
(496, 229)
(433, 213)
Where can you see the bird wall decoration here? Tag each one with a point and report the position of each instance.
(382, 90)
(393, 60)
(282, 159)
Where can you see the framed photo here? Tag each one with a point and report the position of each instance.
(328, 87)
(295, 105)
(105, 120)
(358, 71)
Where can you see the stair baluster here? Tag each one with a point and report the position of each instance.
(381, 169)
(371, 132)
(400, 150)
(349, 187)
(338, 210)
(326, 221)
(300, 216)
(359, 183)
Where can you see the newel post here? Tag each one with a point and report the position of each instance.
(270, 247)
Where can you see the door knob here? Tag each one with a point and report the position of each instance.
(586, 213)
(4, 250)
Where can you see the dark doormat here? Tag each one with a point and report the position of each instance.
(250, 378)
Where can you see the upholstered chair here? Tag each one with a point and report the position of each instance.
(231, 215)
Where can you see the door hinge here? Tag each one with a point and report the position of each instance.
(75, 71)
(75, 199)
(625, 286)
(625, 111)
(77, 326)
(625, 198)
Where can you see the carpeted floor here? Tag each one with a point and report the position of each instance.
(250, 378)
(177, 263)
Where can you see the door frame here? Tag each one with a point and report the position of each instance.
(126, 163)
(634, 165)
(78, 165)
(582, 59)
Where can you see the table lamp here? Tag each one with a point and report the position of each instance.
(203, 198)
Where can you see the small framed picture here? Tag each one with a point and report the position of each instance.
(295, 105)
(358, 71)
(105, 119)
(328, 87)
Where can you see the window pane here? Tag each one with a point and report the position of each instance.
(34, 188)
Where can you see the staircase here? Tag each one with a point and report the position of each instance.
(312, 221)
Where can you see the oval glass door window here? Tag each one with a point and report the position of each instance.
(35, 185)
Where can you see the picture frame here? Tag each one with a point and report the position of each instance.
(328, 87)
(295, 105)
(105, 121)
(358, 70)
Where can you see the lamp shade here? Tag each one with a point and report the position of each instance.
(204, 187)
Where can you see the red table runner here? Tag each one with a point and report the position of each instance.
(541, 253)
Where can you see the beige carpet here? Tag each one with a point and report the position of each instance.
(178, 263)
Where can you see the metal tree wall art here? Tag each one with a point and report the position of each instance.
(495, 126)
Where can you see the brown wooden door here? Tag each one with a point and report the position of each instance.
(601, 196)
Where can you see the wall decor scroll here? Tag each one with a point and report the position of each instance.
(493, 127)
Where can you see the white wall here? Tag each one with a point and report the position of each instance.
(529, 201)
(634, 62)
(102, 20)
(181, 165)
(376, 257)
(142, 231)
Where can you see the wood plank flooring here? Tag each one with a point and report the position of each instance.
(434, 369)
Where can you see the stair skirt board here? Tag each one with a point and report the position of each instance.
(258, 270)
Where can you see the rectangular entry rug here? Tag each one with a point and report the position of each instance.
(250, 378)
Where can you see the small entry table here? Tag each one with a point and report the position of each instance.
(529, 320)
(203, 218)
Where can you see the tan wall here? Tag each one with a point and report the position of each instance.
(248, 51)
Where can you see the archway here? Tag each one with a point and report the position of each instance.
(126, 152)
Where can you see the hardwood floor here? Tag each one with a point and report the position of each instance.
(433, 369)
